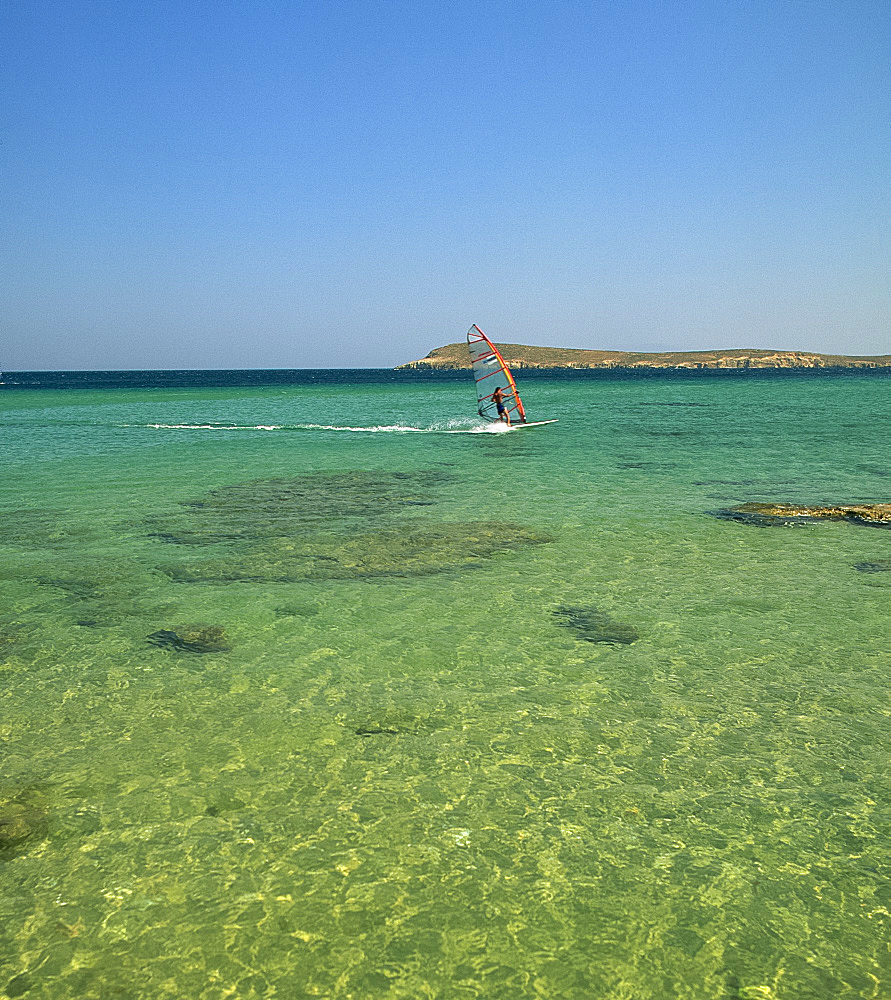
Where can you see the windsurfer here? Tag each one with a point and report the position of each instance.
(498, 400)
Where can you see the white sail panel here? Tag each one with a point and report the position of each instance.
(490, 373)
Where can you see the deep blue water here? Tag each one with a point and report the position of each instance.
(247, 377)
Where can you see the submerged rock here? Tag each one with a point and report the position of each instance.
(100, 594)
(679, 403)
(879, 566)
(19, 985)
(648, 466)
(301, 610)
(79, 586)
(24, 820)
(593, 625)
(375, 730)
(192, 639)
(20, 640)
(284, 507)
(224, 802)
(316, 527)
(723, 482)
(876, 515)
(875, 470)
(7, 641)
(418, 552)
(43, 528)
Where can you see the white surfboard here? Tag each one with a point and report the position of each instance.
(532, 423)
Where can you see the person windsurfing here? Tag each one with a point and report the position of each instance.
(498, 400)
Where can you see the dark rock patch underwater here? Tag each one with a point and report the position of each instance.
(386, 553)
(592, 625)
(329, 526)
(878, 566)
(43, 528)
(376, 730)
(270, 508)
(192, 639)
(24, 819)
(101, 593)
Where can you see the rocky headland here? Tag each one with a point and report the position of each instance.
(518, 356)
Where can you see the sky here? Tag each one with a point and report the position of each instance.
(351, 183)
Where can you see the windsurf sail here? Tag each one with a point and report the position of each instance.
(491, 373)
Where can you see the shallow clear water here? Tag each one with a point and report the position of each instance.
(398, 770)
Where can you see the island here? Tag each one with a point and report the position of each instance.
(454, 356)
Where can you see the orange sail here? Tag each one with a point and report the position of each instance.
(491, 373)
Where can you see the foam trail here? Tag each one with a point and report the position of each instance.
(212, 427)
(376, 429)
(456, 426)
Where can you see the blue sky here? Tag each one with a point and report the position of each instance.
(354, 183)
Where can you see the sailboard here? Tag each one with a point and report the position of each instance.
(490, 372)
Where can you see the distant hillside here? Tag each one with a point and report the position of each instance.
(454, 356)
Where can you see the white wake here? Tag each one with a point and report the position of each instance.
(456, 426)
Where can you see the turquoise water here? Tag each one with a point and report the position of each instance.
(445, 713)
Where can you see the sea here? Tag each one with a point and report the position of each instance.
(314, 685)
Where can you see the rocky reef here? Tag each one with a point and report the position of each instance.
(192, 639)
(269, 508)
(19, 641)
(329, 526)
(386, 553)
(876, 515)
(590, 624)
(876, 566)
(455, 356)
(98, 593)
(44, 528)
(8, 639)
(24, 819)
